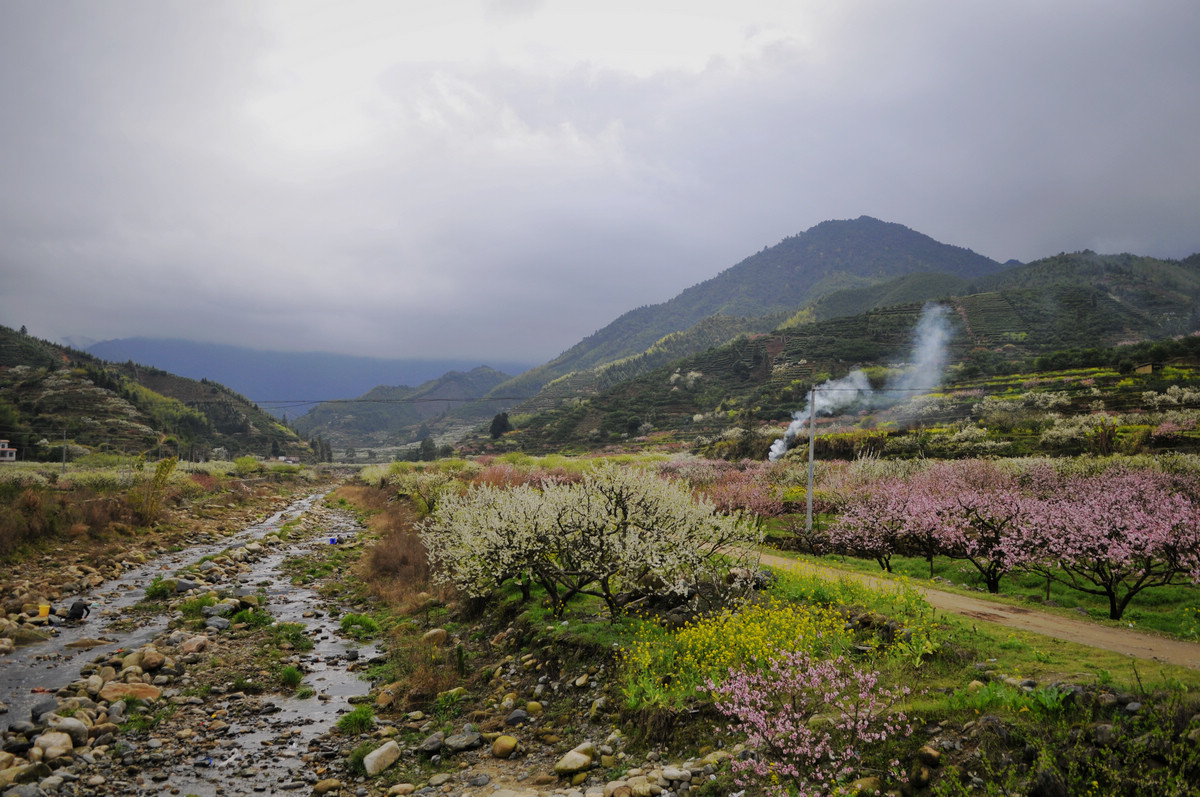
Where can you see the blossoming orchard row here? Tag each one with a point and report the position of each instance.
(1112, 534)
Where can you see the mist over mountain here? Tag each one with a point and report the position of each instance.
(283, 381)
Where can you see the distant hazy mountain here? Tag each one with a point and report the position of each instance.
(298, 380)
(781, 279)
(393, 415)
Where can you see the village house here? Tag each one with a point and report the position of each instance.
(7, 454)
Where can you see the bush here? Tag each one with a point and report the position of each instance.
(245, 466)
(359, 626)
(290, 676)
(159, 590)
(810, 722)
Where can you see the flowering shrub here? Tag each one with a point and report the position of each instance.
(707, 649)
(617, 529)
(810, 722)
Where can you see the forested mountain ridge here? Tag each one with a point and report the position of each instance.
(51, 395)
(780, 279)
(1067, 308)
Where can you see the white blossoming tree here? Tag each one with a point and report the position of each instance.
(619, 528)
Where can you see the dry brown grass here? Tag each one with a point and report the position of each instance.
(396, 567)
(40, 515)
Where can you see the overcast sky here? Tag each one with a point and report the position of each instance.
(500, 178)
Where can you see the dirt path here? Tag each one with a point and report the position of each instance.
(1118, 640)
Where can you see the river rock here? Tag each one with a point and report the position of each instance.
(119, 691)
(86, 642)
(378, 760)
(54, 744)
(44, 705)
(29, 773)
(152, 660)
(327, 785)
(70, 726)
(505, 746)
(433, 743)
(435, 637)
(576, 760)
(863, 787)
(196, 644)
(468, 740)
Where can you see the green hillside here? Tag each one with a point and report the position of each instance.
(830, 257)
(763, 378)
(51, 394)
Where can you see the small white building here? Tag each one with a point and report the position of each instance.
(7, 454)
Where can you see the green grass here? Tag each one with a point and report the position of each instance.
(159, 590)
(360, 720)
(243, 684)
(193, 608)
(359, 626)
(146, 721)
(355, 761)
(290, 677)
(1044, 702)
(1169, 610)
(292, 634)
(253, 618)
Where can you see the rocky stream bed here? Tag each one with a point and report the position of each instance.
(124, 703)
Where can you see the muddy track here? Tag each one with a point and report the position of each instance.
(1118, 640)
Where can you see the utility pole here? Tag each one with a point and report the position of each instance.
(812, 437)
(64, 468)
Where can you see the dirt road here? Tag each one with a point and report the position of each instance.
(1119, 640)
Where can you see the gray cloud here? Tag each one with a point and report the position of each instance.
(205, 171)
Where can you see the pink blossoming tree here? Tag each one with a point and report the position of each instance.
(811, 723)
(1116, 534)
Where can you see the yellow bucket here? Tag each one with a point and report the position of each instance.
(44, 610)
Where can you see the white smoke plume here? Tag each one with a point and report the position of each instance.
(924, 373)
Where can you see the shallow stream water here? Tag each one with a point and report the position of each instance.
(253, 758)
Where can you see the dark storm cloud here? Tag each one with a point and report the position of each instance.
(289, 176)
